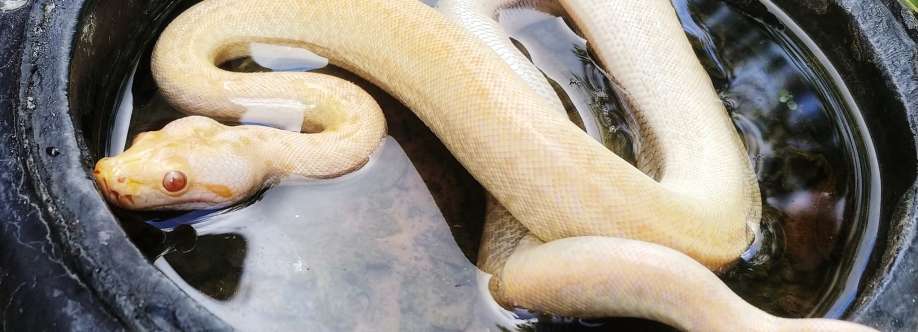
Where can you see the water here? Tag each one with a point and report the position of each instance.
(392, 246)
(337, 255)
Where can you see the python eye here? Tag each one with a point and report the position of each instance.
(174, 181)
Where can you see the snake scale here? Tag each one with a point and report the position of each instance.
(572, 230)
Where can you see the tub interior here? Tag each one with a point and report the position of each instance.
(833, 154)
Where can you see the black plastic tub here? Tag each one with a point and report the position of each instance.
(66, 263)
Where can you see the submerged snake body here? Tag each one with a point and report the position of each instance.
(582, 206)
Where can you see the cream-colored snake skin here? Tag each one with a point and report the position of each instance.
(588, 220)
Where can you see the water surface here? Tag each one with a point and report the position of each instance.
(393, 245)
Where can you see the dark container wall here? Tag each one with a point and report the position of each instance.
(38, 291)
(874, 49)
(65, 263)
(110, 284)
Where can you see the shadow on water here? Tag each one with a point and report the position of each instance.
(393, 245)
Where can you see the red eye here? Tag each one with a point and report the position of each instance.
(174, 181)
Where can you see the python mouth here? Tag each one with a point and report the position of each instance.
(128, 201)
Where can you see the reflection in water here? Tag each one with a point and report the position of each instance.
(391, 247)
(367, 251)
(215, 265)
(803, 153)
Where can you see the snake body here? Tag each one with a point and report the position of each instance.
(584, 232)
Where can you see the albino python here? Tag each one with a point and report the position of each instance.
(583, 233)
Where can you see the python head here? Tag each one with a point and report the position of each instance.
(192, 163)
